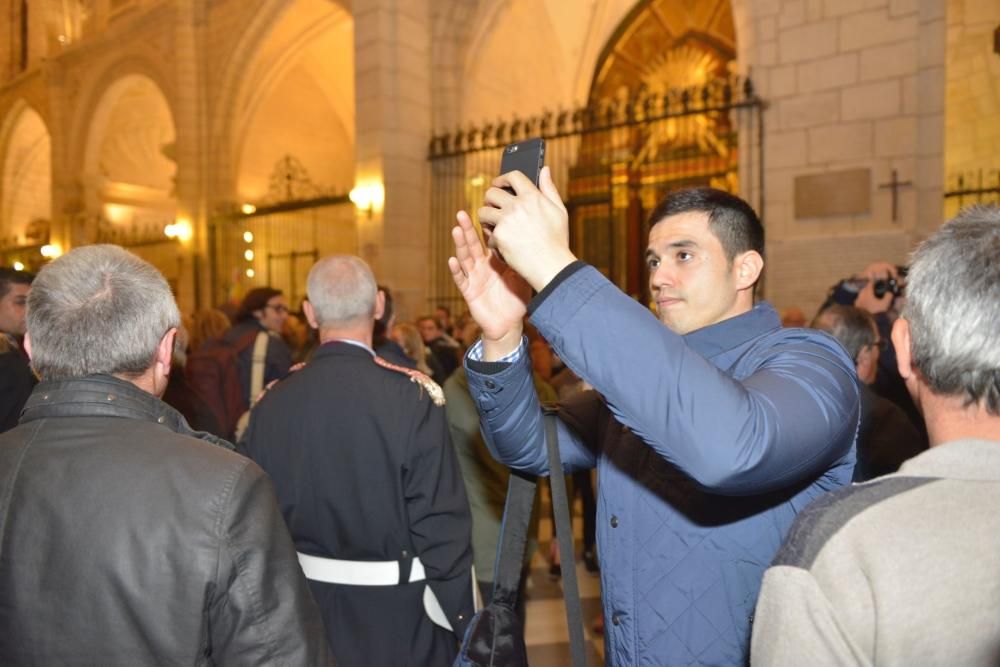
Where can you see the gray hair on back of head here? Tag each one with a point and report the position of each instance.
(342, 290)
(98, 309)
(853, 328)
(953, 307)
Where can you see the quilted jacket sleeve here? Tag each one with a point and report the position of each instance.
(511, 419)
(794, 416)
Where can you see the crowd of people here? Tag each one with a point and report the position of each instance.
(327, 485)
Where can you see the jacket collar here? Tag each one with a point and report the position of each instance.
(106, 396)
(959, 459)
(344, 347)
(728, 334)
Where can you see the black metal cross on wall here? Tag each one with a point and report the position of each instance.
(895, 184)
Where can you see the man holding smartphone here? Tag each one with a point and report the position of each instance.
(710, 429)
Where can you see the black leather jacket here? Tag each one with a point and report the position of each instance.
(125, 539)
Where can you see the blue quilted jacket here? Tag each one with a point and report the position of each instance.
(706, 446)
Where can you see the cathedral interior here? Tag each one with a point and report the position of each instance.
(232, 143)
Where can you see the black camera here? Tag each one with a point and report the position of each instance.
(891, 284)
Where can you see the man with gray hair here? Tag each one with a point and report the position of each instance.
(126, 537)
(902, 570)
(369, 484)
(886, 436)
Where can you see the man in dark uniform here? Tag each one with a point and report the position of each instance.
(369, 485)
(16, 378)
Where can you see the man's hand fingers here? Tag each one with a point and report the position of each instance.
(548, 187)
(471, 234)
(463, 248)
(489, 217)
(497, 197)
(515, 180)
(457, 274)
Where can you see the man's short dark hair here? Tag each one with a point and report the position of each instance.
(255, 300)
(853, 328)
(9, 276)
(731, 219)
(428, 318)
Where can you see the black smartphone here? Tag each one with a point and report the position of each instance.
(525, 156)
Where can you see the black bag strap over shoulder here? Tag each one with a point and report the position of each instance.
(564, 533)
(495, 637)
(513, 536)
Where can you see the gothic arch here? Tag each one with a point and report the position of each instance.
(141, 142)
(25, 176)
(664, 43)
(462, 31)
(86, 115)
(240, 91)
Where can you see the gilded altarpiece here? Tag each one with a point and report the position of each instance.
(667, 74)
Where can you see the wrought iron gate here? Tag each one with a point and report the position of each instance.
(274, 242)
(276, 246)
(971, 187)
(612, 162)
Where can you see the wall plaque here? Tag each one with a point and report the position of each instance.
(834, 193)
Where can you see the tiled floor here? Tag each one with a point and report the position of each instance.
(546, 634)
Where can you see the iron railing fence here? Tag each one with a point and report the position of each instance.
(612, 161)
(980, 186)
(276, 246)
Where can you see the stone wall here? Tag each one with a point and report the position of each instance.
(851, 84)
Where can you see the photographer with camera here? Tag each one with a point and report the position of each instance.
(881, 290)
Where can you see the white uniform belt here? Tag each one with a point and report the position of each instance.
(373, 573)
(358, 572)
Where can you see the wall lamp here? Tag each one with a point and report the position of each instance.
(369, 196)
(51, 250)
(180, 230)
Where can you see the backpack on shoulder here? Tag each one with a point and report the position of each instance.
(213, 372)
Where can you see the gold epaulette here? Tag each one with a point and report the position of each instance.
(433, 388)
(295, 367)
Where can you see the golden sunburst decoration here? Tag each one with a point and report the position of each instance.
(683, 67)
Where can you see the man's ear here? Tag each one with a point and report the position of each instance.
(748, 267)
(901, 342)
(379, 304)
(165, 350)
(26, 344)
(310, 313)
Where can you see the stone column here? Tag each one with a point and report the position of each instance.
(69, 228)
(191, 121)
(393, 111)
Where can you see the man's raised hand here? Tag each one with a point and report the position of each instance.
(497, 297)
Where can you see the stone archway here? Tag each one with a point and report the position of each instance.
(25, 186)
(254, 64)
(298, 99)
(128, 173)
(289, 136)
(666, 55)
